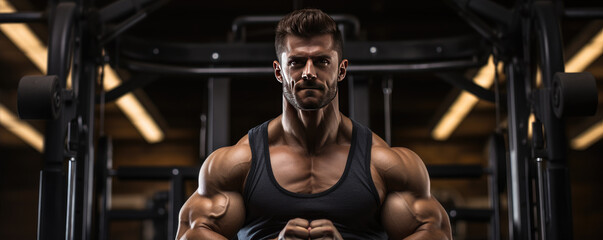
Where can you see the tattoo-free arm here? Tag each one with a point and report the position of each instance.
(216, 209)
(409, 210)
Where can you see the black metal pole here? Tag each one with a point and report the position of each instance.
(52, 205)
(520, 222)
(176, 202)
(557, 194)
(22, 17)
(87, 73)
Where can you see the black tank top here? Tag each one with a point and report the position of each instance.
(352, 204)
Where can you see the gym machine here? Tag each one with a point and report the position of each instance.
(523, 38)
(76, 38)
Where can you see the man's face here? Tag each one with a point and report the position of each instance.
(309, 71)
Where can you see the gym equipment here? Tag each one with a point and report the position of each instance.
(529, 36)
(175, 197)
(39, 97)
(574, 94)
(525, 36)
(66, 197)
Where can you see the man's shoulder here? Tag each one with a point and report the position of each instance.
(225, 169)
(229, 162)
(382, 153)
(400, 167)
(227, 157)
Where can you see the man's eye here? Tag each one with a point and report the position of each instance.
(324, 61)
(293, 63)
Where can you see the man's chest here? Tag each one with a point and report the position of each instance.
(299, 172)
(303, 173)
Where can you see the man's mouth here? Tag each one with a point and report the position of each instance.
(306, 87)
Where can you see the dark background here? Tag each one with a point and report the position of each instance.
(178, 102)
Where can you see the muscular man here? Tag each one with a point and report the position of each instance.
(312, 173)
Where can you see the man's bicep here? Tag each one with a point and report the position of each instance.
(409, 210)
(217, 206)
(209, 217)
(405, 216)
(397, 217)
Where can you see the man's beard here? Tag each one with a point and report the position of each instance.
(326, 99)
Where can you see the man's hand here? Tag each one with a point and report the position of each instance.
(302, 229)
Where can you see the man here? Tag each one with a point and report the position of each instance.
(312, 173)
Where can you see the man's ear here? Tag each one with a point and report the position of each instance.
(343, 66)
(277, 71)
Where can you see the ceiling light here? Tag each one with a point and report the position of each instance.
(133, 109)
(588, 137)
(586, 56)
(463, 104)
(22, 36)
(22, 129)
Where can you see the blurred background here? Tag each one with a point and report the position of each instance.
(179, 106)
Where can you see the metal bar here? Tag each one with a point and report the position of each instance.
(60, 41)
(426, 50)
(263, 71)
(475, 22)
(491, 10)
(542, 210)
(71, 192)
(104, 187)
(153, 173)
(456, 171)
(51, 204)
(415, 67)
(133, 214)
(137, 81)
(359, 100)
(551, 59)
(583, 12)
(470, 214)
(240, 22)
(520, 224)
(496, 155)
(176, 202)
(218, 129)
(119, 9)
(85, 72)
(22, 17)
(461, 82)
(387, 107)
(123, 26)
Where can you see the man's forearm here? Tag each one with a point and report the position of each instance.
(428, 233)
(201, 233)
(427, 236)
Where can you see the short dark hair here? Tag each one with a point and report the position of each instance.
(307, 23)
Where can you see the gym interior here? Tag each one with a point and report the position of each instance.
(109, 107)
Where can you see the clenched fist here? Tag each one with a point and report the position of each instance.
(302, 229)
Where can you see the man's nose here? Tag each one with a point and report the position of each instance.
(309, 70)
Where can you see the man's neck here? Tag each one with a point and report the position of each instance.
(311, 130)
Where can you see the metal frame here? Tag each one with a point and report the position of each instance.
(66, 207)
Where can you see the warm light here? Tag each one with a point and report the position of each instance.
(587, 55)
(22, 36)
(531, 119)
(538, 77)
(588, 137)
(132, 108)
(463, 104)
(21, 129)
